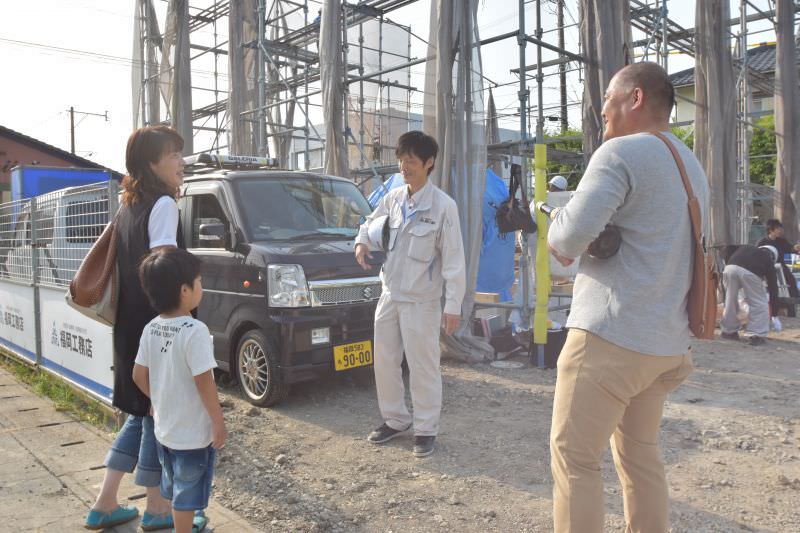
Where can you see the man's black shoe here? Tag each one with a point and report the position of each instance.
(730, 336)
(424, 445)
(384, 434)
(756, 341)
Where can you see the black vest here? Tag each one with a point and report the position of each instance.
(133, 310)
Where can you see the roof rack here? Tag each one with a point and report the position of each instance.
(201, 163)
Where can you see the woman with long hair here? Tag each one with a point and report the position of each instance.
(147, 220)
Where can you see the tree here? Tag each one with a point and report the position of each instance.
(686, 134)
(572, 143)
(763, 152)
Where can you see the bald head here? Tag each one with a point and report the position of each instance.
(653, 81)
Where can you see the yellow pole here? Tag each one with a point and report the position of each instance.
(542, 251)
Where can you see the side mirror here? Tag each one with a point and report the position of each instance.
(212, 234)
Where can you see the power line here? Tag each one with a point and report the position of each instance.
(86, 55)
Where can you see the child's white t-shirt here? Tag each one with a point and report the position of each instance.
(175, 350)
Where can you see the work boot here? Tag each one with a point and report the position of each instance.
(734, 336)
(424, 445)
(756, 341)
(384, 434)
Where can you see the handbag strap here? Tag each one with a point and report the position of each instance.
(694, 214)
(512, 189)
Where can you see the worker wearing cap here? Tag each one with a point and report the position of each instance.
(418, 228)
(747, 269)
(558, 183)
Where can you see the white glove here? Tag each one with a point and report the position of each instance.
(776, 324)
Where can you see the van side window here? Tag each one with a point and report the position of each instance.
(85, 220)
(206, 210)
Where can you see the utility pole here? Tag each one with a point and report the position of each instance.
(562, 69)
(72, 125)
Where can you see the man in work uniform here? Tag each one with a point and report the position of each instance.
(424, 254)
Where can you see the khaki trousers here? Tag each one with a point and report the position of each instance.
(606, 392)
(413, 328)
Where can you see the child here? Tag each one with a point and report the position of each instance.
(174, 367)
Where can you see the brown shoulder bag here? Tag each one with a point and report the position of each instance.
(94, 291)
(702, 302)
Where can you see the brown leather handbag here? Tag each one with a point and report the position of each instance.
(94, 291)
(514, 215)
(702, 301)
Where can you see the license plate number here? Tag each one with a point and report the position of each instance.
(353, 355)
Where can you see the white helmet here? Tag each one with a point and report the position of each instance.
(378, 232)
(772, 250)
(559, 182)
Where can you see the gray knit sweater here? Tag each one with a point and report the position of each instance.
(637, 298)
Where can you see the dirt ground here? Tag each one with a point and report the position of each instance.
(730, 439)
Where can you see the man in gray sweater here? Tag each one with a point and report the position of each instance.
(628, 344)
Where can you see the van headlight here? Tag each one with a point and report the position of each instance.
(287, 286)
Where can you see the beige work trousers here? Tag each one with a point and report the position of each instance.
(736, 278)
(413, 328)
(606, 392)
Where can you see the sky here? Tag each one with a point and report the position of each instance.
(57, 54)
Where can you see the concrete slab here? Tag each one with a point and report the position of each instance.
(51, 469)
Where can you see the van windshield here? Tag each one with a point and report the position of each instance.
(292, 208)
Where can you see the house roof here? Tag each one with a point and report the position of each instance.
(54, 150)
(760, 59)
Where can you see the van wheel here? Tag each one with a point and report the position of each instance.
(257, 370)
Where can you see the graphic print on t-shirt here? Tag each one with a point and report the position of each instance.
(167, 333)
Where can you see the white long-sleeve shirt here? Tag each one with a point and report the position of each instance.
(427, 254)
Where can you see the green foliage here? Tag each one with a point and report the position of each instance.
(572, 171)
(686, 134)
(64, 397)
(762, 169)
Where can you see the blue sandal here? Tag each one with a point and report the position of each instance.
(199, 522)
(153, 522)
(120, 515)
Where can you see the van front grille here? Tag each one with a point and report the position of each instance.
(344, 291)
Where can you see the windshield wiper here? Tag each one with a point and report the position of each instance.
(316, 235)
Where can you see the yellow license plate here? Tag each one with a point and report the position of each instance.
(353, 355)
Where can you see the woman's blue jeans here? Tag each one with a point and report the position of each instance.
(135, 447)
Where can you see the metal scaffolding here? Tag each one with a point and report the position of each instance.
(376, 76)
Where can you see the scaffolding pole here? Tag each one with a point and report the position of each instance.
(743, 130)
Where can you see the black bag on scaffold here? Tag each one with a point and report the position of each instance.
(514, 215)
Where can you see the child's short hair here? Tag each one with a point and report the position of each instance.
(418, 144)
(773, 224)
(164, 272)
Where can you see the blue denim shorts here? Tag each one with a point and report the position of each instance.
(186, 476)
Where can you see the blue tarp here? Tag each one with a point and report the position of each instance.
(496, 264)
(394, 181)
(30, 181)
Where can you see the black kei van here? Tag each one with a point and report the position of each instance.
(284, 298)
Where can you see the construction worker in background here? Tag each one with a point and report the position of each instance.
(557, 184)
(747, 269)
(419, 230)
(775, 238)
